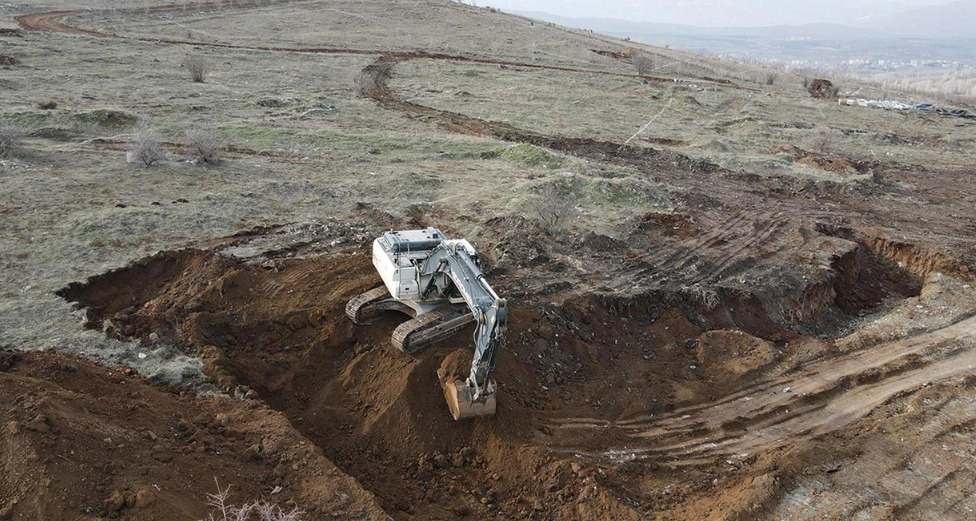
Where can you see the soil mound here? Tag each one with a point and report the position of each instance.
(82, 441)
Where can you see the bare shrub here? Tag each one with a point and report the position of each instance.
(822, 89)
(146, 148)
(47, 105)
(371, 81)
(771, 78)
(196, 66)
(223, 510)
(824, 139)
(551, 209)
(11, 138)
(205, 144)
(644, 63)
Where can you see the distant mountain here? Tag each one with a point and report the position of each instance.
(953, 20)
(724, 13)
(643, 30)
(932, 33)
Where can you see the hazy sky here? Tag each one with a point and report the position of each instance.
(715, 12)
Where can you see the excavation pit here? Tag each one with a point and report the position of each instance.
(578, 383)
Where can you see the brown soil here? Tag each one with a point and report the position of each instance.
(80, 441)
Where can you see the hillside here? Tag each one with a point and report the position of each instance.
(728, 299)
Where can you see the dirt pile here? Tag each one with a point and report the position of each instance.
(83, 441)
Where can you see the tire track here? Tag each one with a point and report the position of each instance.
(783, 410)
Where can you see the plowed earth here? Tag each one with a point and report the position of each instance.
(722, 362)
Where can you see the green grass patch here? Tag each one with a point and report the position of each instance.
(531, 156)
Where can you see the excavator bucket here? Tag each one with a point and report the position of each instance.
(460, 399)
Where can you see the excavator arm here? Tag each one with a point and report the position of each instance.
(453, 267)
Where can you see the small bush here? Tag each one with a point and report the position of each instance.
(204, 144)
(47, 105)
(771, 78)
(196, 66)
(146, 146)
(824, 139)
(551, 209)
(222, 510)
(371, 81)
(10, 139)
(822, 89)
(644, 63)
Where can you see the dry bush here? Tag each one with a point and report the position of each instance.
(550, 209)
(771, 78)
(371, 81)
(196, 66)
(147, 147)
(11, 137)
(824, 139)
(644, 63)
(223, 510)
(822, 89)
(205, 144)
(47, 105)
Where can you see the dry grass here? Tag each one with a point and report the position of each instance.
(11, 137)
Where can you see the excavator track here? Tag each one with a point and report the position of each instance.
(418, 333)
(363, 307)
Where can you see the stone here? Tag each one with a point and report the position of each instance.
(115, 502)
(440, 461)
(144, 498)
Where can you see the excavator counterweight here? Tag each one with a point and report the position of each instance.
(439, 283)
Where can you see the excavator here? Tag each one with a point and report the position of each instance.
(438, 282)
